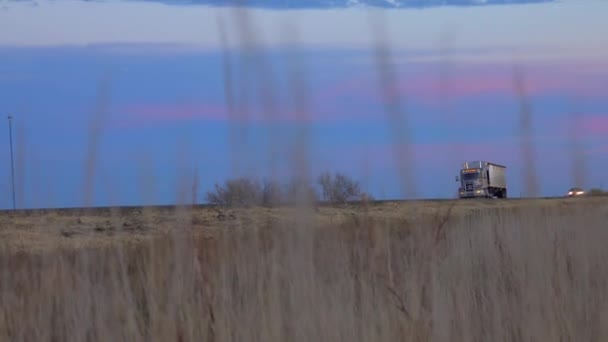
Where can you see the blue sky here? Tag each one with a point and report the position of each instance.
(144, 83)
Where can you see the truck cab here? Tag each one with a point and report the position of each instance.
(481, 179)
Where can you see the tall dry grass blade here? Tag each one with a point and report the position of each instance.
(528, 158)
(236, 133)
(246, 83)
(195, 186)
(184, 174)
(257, 64)
(146, 180)
(397, 116)
(299, 94)
(449, 115)
(96, 128)
(36, 180)
(20, 165)
(367, 171)
(578, 160)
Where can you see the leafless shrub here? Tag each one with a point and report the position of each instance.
(236, 193)
(339, 188)
(598, 192)
(246, 192)
(272, 193)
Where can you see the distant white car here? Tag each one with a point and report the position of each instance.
(573, 192)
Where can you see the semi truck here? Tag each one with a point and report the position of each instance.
(482, 179)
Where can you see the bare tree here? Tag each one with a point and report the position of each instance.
(598, 192)
(339, 188)
(272, 194)
(236, 193)
(246, 192)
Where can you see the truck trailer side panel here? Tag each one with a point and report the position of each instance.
(497, 176)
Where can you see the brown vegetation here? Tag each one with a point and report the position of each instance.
(339, 188)
(245, 192)
(414, 271)
(598, 192)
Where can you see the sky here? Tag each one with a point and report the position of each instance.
(124, 102)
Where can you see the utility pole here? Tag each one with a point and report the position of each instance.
(10, 134)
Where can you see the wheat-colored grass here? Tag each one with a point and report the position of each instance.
(449, 271)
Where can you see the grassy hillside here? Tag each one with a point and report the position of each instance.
(415, 271)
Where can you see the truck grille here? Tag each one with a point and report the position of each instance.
(468, 187)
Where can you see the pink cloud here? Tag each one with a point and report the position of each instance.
(346, 99)
(428, 87)
(587, 125)
(595, 125)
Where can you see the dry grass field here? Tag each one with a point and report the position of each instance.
(517, 270)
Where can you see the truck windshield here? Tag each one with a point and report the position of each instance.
(470, 176)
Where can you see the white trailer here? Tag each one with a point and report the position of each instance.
(482, 179)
